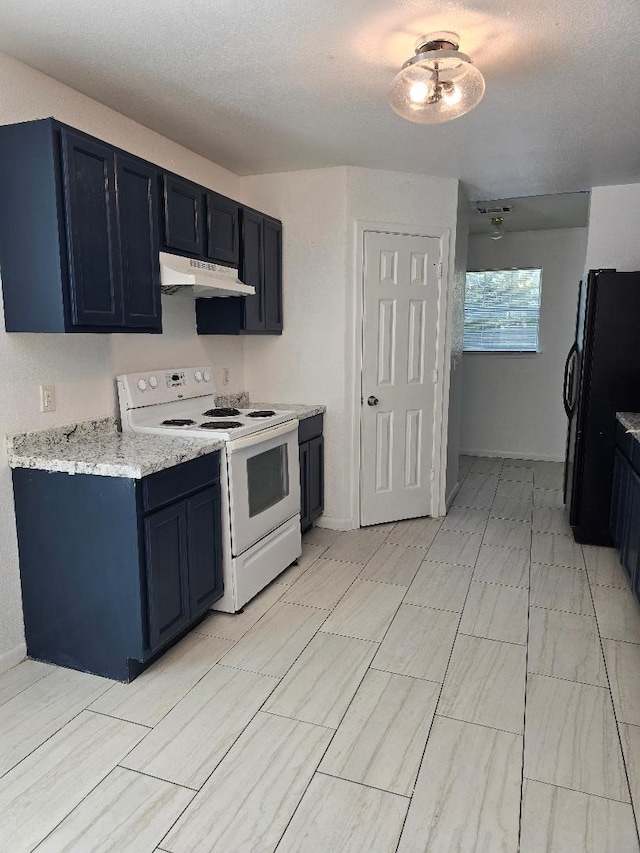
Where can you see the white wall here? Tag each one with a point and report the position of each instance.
(83, 367)
(306, 363)
(316, 357)
(511, 404)
(614, 228)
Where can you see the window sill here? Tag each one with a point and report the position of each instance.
(500, 354)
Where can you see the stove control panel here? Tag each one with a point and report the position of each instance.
(164, 386)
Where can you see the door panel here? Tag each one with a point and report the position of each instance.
(222, 229)
(204, 545)
(272, 279)
(166, 564)
(251, 272)
(305, 513)
(137, 193)
(184, 223)
(90, 210)
(316, 477)
(401, 286)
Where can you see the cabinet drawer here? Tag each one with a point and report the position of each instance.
(174, 483)
(624, 440)
(309, 428)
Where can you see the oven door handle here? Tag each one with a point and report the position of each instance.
(258, 437)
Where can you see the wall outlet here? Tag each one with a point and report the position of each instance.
(225, 375)
(47, 398)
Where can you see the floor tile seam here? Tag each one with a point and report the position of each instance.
(429, 607)
(476, 723)
(607, 585)
(46, 740)
(38, 679)
(225, 666)
(86, 796)
(330, 610)
(491, 639)
(526, 684)
(578, 791)
(496, 583)
(237, 639)
(329, 742)
(406, 797)
(557, 610)
(567, 680)
(439, 696)
(159, 778)
(636, 814)
(297, 720)
(386, 583)
(298, 604)
(526, 550)
(122, 719)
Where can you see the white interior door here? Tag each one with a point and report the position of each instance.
(401, 284)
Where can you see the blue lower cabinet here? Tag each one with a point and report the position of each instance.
(167, 572)
(625, 513)
(113, 570)
(311, 450)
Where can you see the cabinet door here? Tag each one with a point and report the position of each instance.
(618, 497)
(167, 574)
(632, 533)
(137, 205)
(272, 276)
(184, 223)
(204, 545)
(316, 477)
(305, 515)
(251, 272)
(92, 239)
(222, 229)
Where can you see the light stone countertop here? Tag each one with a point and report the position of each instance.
(96, 447)
(302, 410)
(630, 421)
(240, 399)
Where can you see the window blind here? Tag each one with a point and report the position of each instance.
(502, 311)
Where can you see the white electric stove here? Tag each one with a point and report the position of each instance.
(260, 477)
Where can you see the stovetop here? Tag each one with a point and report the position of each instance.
(182, 401)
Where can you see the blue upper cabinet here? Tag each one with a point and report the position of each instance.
(223, 237)
(184, 216)
(260, 264)
(78, 233)
(199, 222)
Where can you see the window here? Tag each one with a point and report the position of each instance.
(502, 311)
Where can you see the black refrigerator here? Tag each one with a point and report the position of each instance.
(601, 377)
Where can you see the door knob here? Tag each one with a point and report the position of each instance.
(372, 401)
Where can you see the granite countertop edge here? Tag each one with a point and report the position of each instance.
(96, 447)
(302, 410)
(631, 422)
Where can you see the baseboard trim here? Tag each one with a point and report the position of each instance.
(451, 496)
(13, 657)
(510, 454)
(335, 523)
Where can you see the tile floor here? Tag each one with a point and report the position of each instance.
(470, 684)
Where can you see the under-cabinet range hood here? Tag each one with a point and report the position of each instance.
(203, 277)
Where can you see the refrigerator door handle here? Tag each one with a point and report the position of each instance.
(568, 382)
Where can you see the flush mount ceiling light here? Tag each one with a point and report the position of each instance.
(437, 84)
(496, 214)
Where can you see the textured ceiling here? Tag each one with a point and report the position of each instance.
(536, 213)
(270, 86)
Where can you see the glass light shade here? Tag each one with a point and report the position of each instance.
(497, 228)
(436, 86)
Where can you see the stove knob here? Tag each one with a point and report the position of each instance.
(207, 376)
(198, 376)
(142, 385)
(153, 381)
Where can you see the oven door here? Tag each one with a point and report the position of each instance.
(264, 483)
